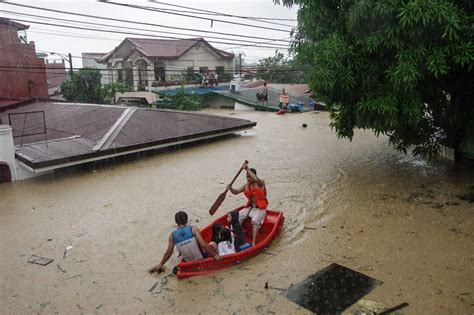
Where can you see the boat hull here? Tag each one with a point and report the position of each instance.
(270, 229)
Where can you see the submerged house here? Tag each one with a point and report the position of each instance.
(145, 63)
(38, 137)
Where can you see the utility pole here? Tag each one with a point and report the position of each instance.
(240, 66)
(70, 64)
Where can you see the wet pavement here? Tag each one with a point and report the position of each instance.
(359, 204)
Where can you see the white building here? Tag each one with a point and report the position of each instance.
(146, 63)
(91, 60)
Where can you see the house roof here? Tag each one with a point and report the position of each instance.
(96, 56)
(18, 26)
(166, 48)
(77, 133)
(291, 88)
(4, 103)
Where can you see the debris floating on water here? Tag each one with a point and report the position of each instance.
(66, 251)
(43, 261)
(61, 269)
(395, 308)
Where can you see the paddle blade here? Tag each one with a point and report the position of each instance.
(217, 203)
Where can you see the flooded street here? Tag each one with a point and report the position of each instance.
(360, 204)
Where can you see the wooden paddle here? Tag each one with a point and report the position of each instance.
(221, 197)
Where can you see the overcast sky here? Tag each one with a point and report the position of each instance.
(75, 41)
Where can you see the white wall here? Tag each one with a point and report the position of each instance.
(89, 61)
(7, 150)
(202, 56)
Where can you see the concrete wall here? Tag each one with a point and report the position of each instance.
(149, 96)
(218, 101)
(23, 75)
(202, 56)
(56, 75)
(18, 170)
(7, 150)
(447, 153)
(91, 62)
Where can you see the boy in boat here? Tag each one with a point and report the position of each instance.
(256, 207)
(187, 240)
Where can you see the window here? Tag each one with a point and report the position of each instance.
(129, 76)
(220, 70)
(127, 72)
(119, 76)
(203, 69)
(160, 72)
(142, 74)
(190, 74)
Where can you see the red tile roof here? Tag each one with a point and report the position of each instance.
(166, 48)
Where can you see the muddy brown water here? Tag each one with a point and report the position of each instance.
(360, 204)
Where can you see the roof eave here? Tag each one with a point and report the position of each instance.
(44, 166)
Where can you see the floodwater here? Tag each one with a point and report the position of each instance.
(360, 204)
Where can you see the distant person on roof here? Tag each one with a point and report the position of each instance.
(284, 100)
(265, 93)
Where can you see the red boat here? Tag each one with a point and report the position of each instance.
(268, 231)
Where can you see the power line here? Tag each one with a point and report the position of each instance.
(182, 70)
(130, 33)
(191, 16)
(115, 26)
(218, 13)
(142, 23)
(235, 16)
(75, 35)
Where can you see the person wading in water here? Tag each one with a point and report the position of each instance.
(188, 241)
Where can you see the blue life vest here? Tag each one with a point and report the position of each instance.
(185, 242)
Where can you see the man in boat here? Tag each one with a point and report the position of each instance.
(188, 241)
(256, 207)
(284, 100)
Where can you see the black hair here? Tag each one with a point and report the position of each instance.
(254, 171)
(181, 218)
(225, 236)
(216, 227)
(235, 227)
(234, 218)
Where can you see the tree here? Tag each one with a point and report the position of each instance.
(84, 87)
(183, 101)
(109, 90)
(278, 69)
(399, 67)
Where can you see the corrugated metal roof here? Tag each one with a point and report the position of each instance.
(63, 120)
(76, 132)
(5, 103)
